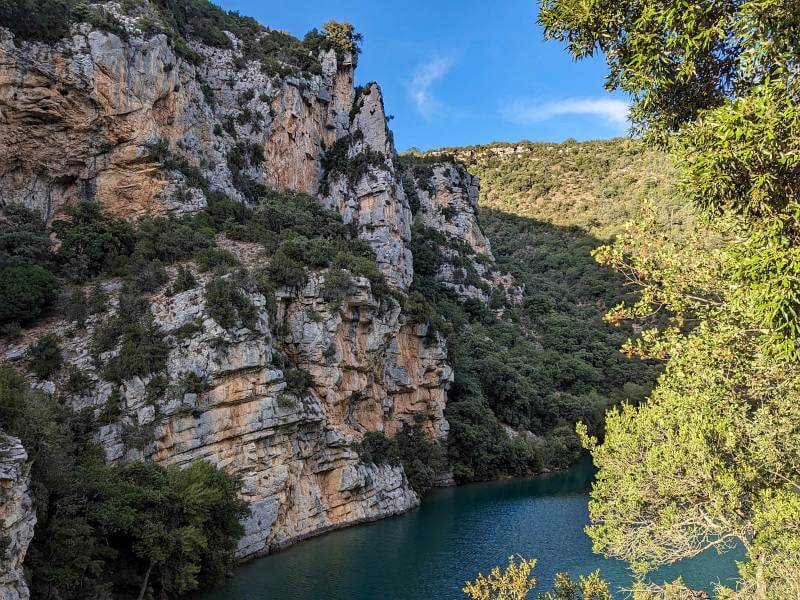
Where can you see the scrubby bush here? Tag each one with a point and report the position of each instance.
(193, 383)
(337, 286)
(10, 331)
(50, 20)
(286, 271)
(24, 238)
(215, 259)
(44, 357)
(25, 292)
(77, 382)
(76, 306)
(378, 449)
(92, 242)
(142, 352)
(298, 381)
(337, 35)
(301, 234)
(337, 162)
(171, 239)
(97, 300)
(228, 305)
(145, 276)
(140, 342)
(421, 457)
(184, 280)
(28, 285)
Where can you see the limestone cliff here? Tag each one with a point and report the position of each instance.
(130, 123)
(17, 518)
(447, 198)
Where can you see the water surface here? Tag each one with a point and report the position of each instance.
(430, 552)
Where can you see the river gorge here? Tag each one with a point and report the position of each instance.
(430, 552)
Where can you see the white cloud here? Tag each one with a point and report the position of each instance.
(419, 88)
(610, 110)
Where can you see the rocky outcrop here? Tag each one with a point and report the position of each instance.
(79, 121)
(448, 206)
(364, 187)
(224, 398)
(17, 518)
(373, 371)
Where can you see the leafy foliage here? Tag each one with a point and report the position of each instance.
(301, 234)
(25, 292)
(228, 305)
(513, 583)
(298, 381)
(44, 357)
(92, 242)
(516, 581)
(551, 361)
(121, 529)
(711, 459)
(140, 343)
(50, 20)
(28, 285)
(422, 458)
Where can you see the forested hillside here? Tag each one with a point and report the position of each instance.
(550, 360)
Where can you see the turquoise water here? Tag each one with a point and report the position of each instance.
(429, 553)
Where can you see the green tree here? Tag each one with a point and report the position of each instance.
(712, 459)
(27, 284)
(421, 457)
(25, 292)
(45, 357)
(92, 242)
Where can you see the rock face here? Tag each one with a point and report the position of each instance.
(137, 128)
(448, 205)
(373, 198)
(17, 518)
(79, 120)
(451, 207)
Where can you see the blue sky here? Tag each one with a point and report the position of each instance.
(459, 72)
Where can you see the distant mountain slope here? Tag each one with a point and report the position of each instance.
(596, 185)
(545, 208)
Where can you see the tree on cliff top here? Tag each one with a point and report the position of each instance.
(712, 459)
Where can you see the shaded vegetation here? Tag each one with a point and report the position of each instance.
(378, 449)
(28, 282)
(300, 234)
(422, 458)
(126, 529)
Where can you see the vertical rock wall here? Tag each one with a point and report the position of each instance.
(17, 518)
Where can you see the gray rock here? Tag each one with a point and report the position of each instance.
(17, 517)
